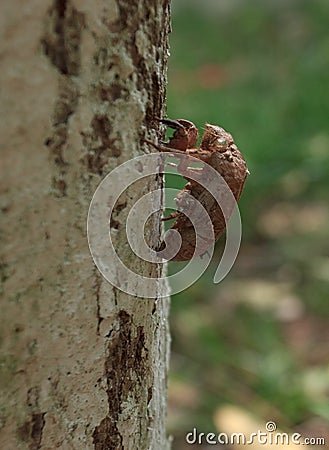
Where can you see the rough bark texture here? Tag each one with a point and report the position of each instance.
(83, 366)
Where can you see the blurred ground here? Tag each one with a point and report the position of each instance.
(258, 341)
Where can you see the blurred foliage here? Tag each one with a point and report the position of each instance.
(258, 340)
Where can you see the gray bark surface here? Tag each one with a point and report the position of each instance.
(83, 365)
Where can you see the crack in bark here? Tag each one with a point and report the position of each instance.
(61, 41)
(61, 44)
(32, 429)
(97, 288)
(99, 145)
(126, 369)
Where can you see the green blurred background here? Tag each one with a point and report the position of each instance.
(258, 341)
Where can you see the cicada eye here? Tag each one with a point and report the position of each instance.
(221, 141)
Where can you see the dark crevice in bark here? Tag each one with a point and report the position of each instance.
(61, 40)
(38, 422)
(97, 288)
(61, 44)
(99, 145)
(127, 358)
(32, 429)
(128, 16)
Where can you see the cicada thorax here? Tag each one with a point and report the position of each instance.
(230, 164)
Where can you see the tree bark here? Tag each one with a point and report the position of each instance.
(83, 365)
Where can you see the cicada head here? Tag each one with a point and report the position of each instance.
(186, 133)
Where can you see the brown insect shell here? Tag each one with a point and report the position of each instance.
(219, 151)
(184, 137)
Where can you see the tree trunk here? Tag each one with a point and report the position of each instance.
(83, 365)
